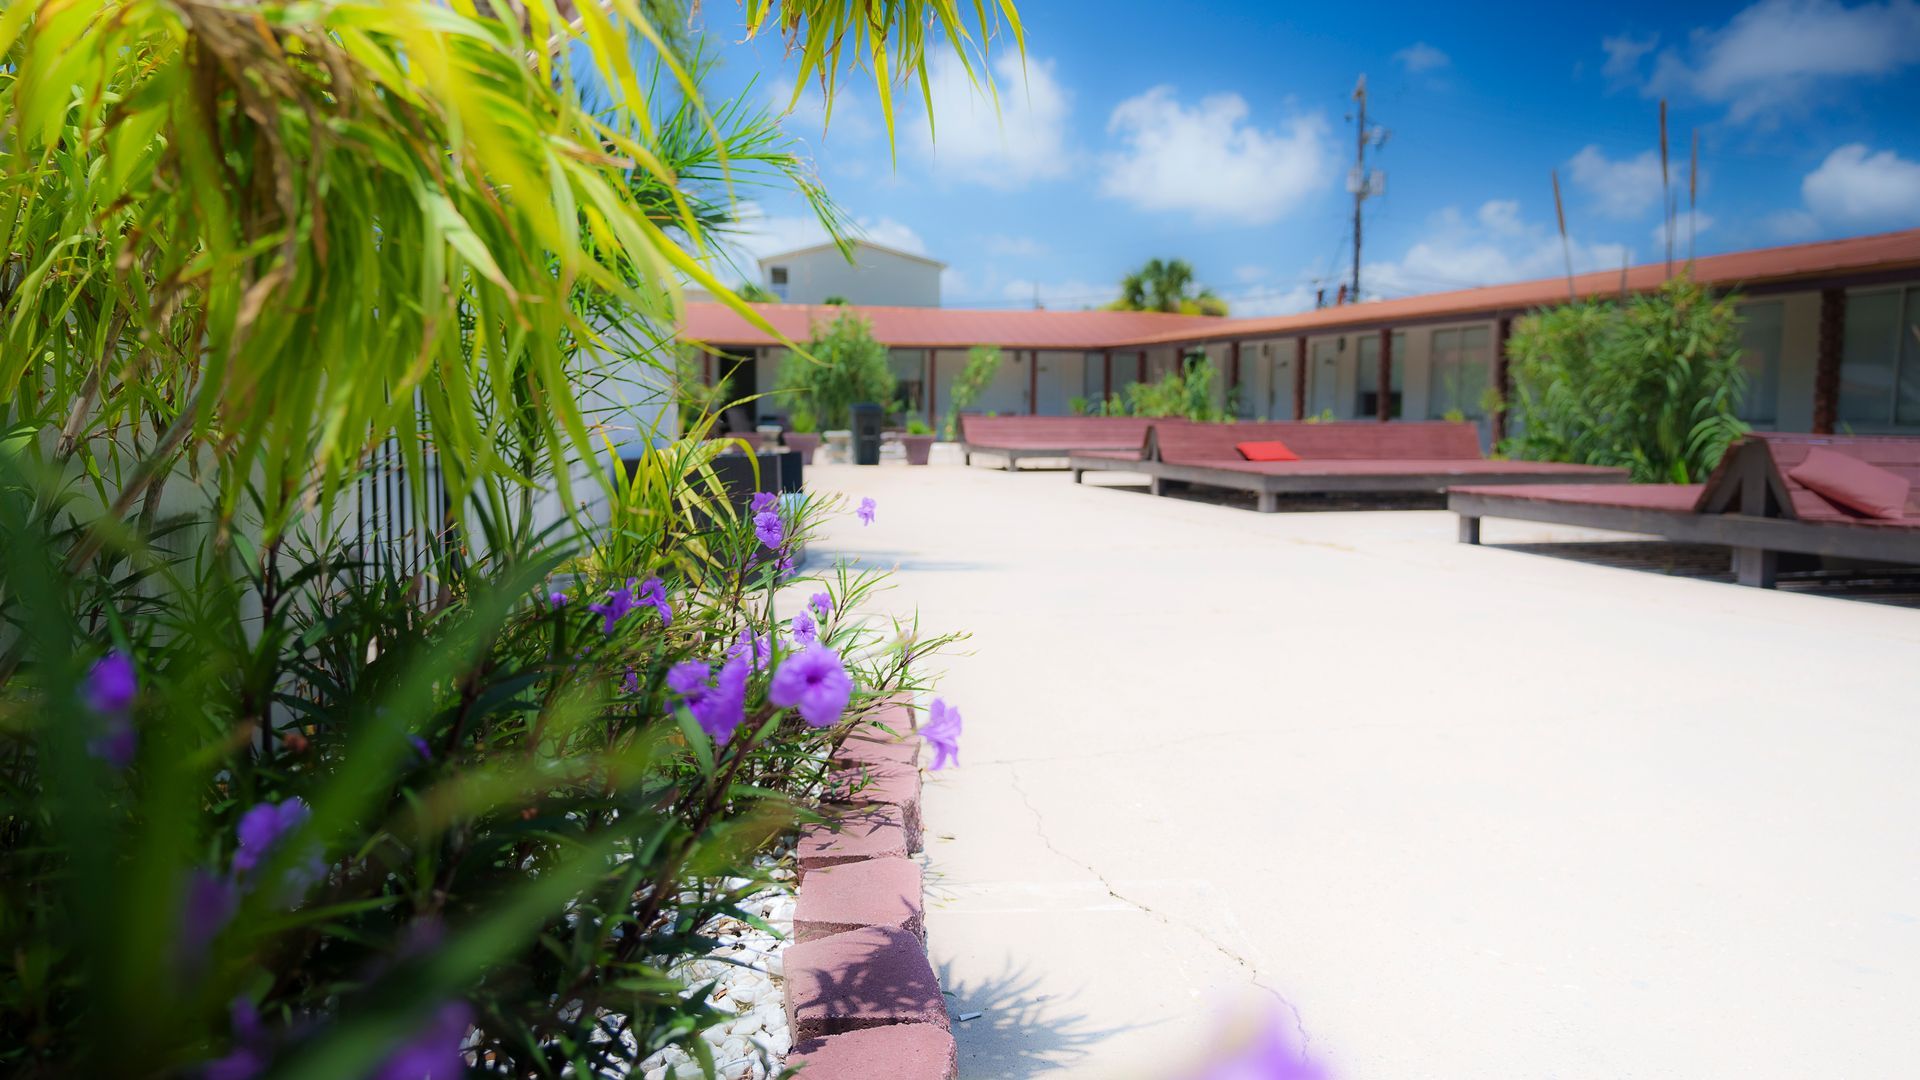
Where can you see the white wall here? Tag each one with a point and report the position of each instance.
(875, 277)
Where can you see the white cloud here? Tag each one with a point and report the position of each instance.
(851, 119)
(1624, 53)
(1687, 224)
(1496, 244)
(1624, 189)
(1793, 224)
(1271, 300)
(1024, 141)
(1062, 295)
(1856, 186)
(1421, 57)
(1776, 52)
(1207, 159)
(1249, 273)
(1024, 247)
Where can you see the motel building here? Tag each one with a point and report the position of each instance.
(1830, 337)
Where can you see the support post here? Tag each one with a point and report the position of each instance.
(1077, 474)
(933, 400)
(1233, 370)
(1384, 406)
(1502, 377)
(1300, 377)
(1156, 486)
(1756, 567)
(1269, 502)
(1469, 529)
(1826, 370)
(1142, 377)
(1033, 383)
(1106, 377)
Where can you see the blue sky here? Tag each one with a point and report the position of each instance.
(1220, 134)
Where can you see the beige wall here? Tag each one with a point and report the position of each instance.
(1266, 367)
(875, 277)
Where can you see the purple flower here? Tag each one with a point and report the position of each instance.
(757, 649)
(816, 682)
(109, 689)
(942, 732)
(763, 502)
(720, 710)
(766, 526)
(653, 593)
(208, 903)
(822, 604)
(421, 747)
(1268, 1055)
(262, 828)
(689, 677)
(111, 683)
(619, 602)
(632, 682)
(434, 1052)
(865, 513)
(784, 566)
(557, 599)
(117, 742)
(804, 631)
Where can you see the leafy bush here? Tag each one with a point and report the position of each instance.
(844, 366)
(917, 426)
(1651, 385)
(1185, 393)
(293, 785)
(983, 364)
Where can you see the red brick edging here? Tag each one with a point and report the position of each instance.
(862, 999)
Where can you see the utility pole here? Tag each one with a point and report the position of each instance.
(1359, 182)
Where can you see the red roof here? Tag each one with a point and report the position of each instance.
(959, 328)
(944, 328)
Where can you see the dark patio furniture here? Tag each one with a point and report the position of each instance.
(1749, 503)
(1349, 457)
(1014, 437)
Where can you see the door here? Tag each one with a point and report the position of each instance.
(1280, 380)
(1323, 377)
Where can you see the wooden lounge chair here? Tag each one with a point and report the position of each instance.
(1014, 437)
(1335, 458)
(1749, 503)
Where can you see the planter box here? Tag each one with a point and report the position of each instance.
(805, 444)
(918, 448)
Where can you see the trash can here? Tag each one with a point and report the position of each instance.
(866, 434)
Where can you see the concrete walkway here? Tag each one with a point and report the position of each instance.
(1467, 812)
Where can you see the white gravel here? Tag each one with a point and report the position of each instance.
(747, 969)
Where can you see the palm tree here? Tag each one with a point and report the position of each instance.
(1167, 285)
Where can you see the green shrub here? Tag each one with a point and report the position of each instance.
(983, 363)
(1185, 393)
(1651, 385)
(844, 367)
(917, 426)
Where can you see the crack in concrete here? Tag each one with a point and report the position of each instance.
(1253, 971)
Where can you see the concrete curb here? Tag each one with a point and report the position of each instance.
(863, 1002)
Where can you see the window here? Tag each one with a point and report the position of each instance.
(909, 368)
(1880, 358)
(1367, 376)
(1461, 360)
(777, 281)
(1760, 328)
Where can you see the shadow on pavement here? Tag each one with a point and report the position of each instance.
(1019, 1032)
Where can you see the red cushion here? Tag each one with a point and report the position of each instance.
(1853, 484)
(1266, 451)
